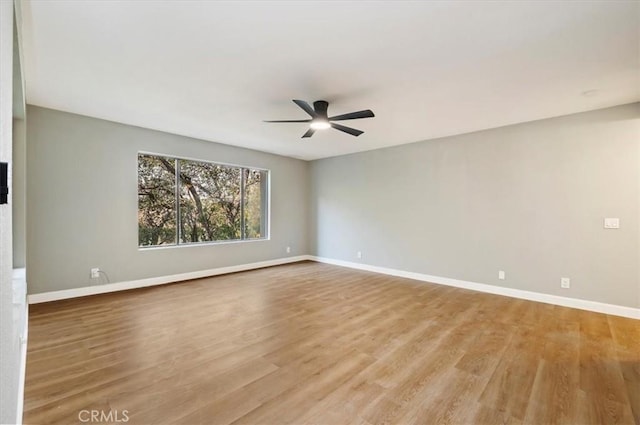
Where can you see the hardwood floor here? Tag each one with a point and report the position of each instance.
(310, 343)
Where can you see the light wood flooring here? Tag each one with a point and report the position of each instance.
(310, 343)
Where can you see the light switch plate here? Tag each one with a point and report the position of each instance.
(612, 223)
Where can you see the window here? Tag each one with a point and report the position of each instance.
(181, 201)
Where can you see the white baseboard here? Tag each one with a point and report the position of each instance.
(153, 281)
(595, 306)
(616, 310)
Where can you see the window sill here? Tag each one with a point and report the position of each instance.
(191, 245)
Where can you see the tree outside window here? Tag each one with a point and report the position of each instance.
(183, 201)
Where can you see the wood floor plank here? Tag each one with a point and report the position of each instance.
(315, 344)
(509, 388)
(237, 404)
(287, 407)
(593, 409)
(487, 415)
(554, 396)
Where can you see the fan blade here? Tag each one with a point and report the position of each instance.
(349, 130)
(320, 107)
(288, 121)
(306, 107)
(309, 133)
(367, 113)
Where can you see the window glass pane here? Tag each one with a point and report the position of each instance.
(216, 202)
(255, 203)
(209, 202)
(156, 201)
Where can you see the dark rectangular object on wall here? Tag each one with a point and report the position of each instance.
(4, 182)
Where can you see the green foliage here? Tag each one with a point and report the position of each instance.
(156, 202)
(209, 202)
(210, 198)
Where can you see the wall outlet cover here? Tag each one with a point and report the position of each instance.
(612, 223)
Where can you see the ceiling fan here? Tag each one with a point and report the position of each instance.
(320, 121)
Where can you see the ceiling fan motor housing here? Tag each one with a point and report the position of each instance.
(321, 106)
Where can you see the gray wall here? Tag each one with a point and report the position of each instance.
(528, 199)
(82, 197)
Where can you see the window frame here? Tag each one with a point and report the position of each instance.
(266, 203)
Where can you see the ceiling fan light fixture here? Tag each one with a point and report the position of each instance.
(320, 120)
(319, 124)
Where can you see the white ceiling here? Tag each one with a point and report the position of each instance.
(215, 70)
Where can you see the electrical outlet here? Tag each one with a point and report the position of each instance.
(95, 273)
(359, 254)
(501, 274)
(288, 250)
(612, 223)
(565, 282)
